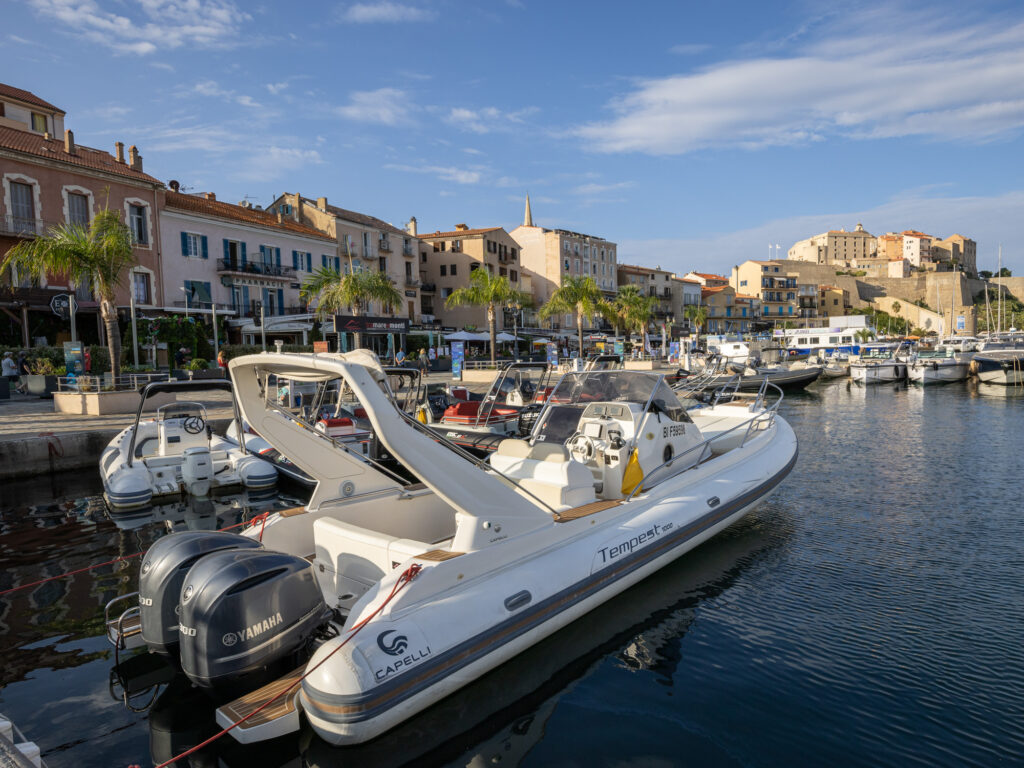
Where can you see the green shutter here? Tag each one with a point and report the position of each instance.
(206, 252)
(184, 243)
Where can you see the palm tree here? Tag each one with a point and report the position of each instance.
(98, 255)
(336, 292)
(639, 314)
(577, 294)
(697, 314)
(487, 290)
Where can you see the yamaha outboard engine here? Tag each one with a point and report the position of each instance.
(164, 569)
(246, 615)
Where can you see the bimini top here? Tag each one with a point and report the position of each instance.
(638, 387)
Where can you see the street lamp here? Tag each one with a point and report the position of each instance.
(186, 292)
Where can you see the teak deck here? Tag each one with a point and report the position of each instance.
(250, 702)
(587, 509)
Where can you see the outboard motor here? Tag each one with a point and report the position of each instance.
(246, 613)
(163, 571)
(197, 470)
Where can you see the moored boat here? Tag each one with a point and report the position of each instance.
(878, 364)
(409, 590)
(1002, 366)
(938, 365)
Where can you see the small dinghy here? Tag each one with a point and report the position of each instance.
(391, 590)
(176, 451)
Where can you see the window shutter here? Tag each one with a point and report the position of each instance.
(245, 299)
(309, 262)
(295, 260)
(206, 252)
(184, 243)
(277, 257)
(244, 261)
(323, 259)
(280, 301)
(337, 264)
(227, 252)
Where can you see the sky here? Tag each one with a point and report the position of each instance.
(695, 135)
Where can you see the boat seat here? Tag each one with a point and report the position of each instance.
(546, 471)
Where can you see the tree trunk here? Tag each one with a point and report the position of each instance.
(357, 336)
(490, 327)
(109, 313)
(579, 330)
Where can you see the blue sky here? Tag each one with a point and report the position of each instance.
(693, 134)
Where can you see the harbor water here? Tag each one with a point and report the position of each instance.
(870, 612)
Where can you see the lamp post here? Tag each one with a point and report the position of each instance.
(515, 306)
(186, 292)
(135, 338)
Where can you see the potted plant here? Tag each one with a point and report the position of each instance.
(198, 368)
(43, 380)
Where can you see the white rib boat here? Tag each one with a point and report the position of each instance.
(879, 364)
(615, 481)
(937, 366)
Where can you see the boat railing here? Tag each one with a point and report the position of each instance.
(698, 383)
(763, 419)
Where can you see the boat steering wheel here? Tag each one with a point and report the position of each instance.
(193, 425)
(581, 447)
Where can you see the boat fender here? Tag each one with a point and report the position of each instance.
(633, 475)
(421, 415)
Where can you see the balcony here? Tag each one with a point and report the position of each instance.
(255, 268)
(384, 245)
(411, 282)
(19, 227)
(408, 251)
(428, 288)
(206, 305)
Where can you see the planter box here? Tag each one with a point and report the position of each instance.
(41, 385)
(208, 373)
(5, 388)
(102, 403)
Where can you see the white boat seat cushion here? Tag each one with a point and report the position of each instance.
(546, 471)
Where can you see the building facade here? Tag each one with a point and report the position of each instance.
(50, 181)
(240, 259)
(447, 259)
(836, 246)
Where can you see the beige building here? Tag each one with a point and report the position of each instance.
(652, 281)
(833, 301)
(836, 246)
(548, 254)
(447, 259)
(727, 311)
(362, 242)
(959, 251)
(707, 279)
(782, 293)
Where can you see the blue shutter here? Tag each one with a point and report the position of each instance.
(206, 252)
(245, 299)
(280, 301)
(244, 262)
(209, 291)
(277, 257)
(309, 262)
(337, 264)
(184, 243)
(227, 252)
(323, 259)
(295, 260)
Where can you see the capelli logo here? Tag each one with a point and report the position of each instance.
(394, 647)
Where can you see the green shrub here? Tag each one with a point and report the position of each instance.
(197, 364)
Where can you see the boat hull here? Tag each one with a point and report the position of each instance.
(1006, 368)
(468, 630)
(878, 373)
(936, 372)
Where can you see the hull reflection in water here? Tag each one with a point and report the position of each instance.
(504, 713)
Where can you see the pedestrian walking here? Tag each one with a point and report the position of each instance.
(424, 361)
(8, 368)
(23, 371)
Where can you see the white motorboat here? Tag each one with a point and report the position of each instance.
(878, 364)
(1002, 366)
(176, 451)
(835, 366)
(409, 590)
(15, 750)
(936, 366)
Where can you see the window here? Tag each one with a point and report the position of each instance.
(453, 270)
(575, 247)
(474, 266)
(566, 248)
(141, 288)
(456, 246)
(191, 245)
(23, 208)
(137, 224)
(38, 122)
(593, 269)
(512, 253)
(513, 276)
(444, 270)
(567, 262)
(743, 282)
(577, 265)
(446, 292)
(78, 209)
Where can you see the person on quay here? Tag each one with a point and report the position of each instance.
(23, 371)
(8, 368)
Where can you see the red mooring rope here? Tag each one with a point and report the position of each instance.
(407, 576)
(260, 519)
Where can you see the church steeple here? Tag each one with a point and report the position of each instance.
(528, 214)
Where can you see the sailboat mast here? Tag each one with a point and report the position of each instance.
(988, 313)
(999, 297)
(952, 303)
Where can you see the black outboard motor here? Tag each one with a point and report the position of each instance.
(163, 571)
(246, 613)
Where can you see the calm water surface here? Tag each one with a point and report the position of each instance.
(869, 613)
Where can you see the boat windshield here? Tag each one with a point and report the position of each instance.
(876, 353)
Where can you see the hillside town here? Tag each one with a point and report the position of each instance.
(201, 257)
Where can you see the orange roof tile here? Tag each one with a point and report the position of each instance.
(684, 280)
(216, 208)
(361, 218)
(457, 233)
(53, 149)
(709, 276)
(745, 296)
(26, 96)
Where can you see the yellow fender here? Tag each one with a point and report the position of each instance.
(421, 414)
(633, 475)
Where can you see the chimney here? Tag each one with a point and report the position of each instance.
(461, 227)
(280, 216)
(297, 208)
(134, 158)
(321, 203)
(119, 151)
(174, 184)
(411, 227)
(69, 142)
(210, 195)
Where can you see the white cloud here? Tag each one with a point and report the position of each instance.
(211, 88)
(150, 25)
(859, 82)
(987, 220)
(276, 88)
(471, 151)
(597, 189)
(689, 49)
(385, 106)
(486, 119)
(445, 173)
(384, 13)
(109, 112)
(274, 162)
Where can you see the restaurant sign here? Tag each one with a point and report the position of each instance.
(363, 324)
